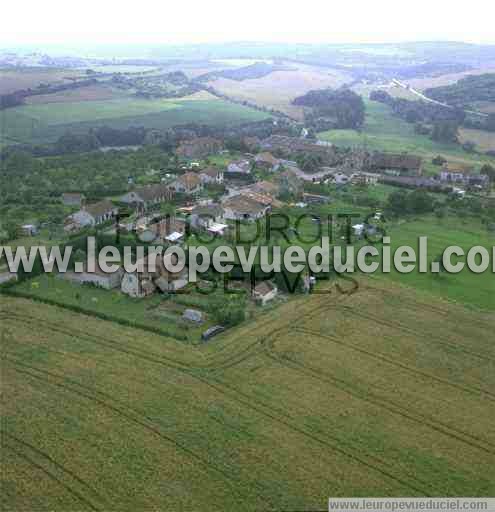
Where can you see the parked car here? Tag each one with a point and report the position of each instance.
(212, 331)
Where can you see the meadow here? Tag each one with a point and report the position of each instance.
(46, 122)
(365, 394)
(472, 290)
(383, 131)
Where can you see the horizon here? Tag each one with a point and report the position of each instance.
(221, 23)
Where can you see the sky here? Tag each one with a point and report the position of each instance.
(309, 21)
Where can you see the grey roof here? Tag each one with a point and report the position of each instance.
(100, 208)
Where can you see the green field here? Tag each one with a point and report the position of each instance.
(370, 394)
(46, 122)
(476, 290)
(385, 132)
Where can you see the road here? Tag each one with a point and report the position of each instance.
(420, 95)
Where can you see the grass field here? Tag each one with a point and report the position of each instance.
(29, 78)
(466, 287)
(46, 122)
(369, 394)
(384, 132)
(278, 89)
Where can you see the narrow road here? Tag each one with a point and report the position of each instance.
(430, 100)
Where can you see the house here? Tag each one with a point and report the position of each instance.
(266, 161)
(396, 163)
(265, 187)
(242, 166)
(149, 195)
(199, 147)
(264, 292)
(263, 199)
(463, 174)
(364, 179)
(93, 214)
(205, 216)
(289, 184)
(294, 145)
(73, 199)
(211, 175)
(169, 229)
(188, 183)
(146, 279)
(455, 173)
(240, 207)
(106, 280)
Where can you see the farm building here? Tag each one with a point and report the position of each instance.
(73, 199)
(204, 216)
(188, 183)
(463, 174)
(364, 178)
(241, 207)
(146, 196)
(267, 161)
(93, 214)
(396, 163)
(98, 278)
(148, 277)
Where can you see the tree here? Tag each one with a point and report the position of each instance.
(229, 309)
(445, 131)
(490, 123)
(439, 160)
(419, 201)
(396, 202)
(469, 146)
(488, 170)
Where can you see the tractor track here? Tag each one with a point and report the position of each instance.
(438, 426)
(375, 355)
(53, 462)
(233, 394)
(133, 416)
(396, 325)
(53, 477)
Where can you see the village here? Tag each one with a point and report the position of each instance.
(212, 188)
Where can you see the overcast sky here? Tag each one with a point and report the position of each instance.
(193, 21)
